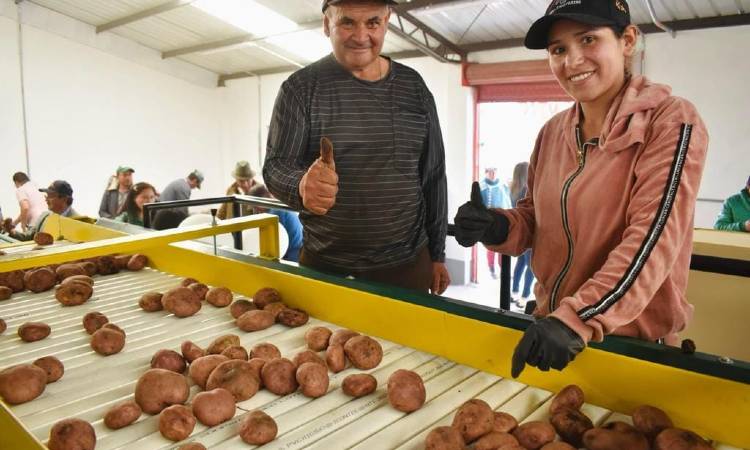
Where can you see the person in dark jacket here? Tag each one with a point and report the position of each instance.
(117, 191)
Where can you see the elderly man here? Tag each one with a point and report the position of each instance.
(735, 213)
(376, 207)
(59, 201)
(244, 180)
(181, 189)
(116, 193)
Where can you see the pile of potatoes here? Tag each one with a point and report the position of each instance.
(186, 299)
(25, 382)
(266, 309)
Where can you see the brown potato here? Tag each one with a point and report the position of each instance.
(473, 419)
(611, 439)
(336, 358)
(106, 265)
(313, 379)
(266, 296)
(3, 326)
(240, 307)
(265, 350)
(238, 377)
(122, 261)
(39, 280)
(504, 422)
(176, 422)
(359, 385)
(235, 352)
(558, 446)
(570, 397)
(13, 280)
(201, 368)
(275, 309)
(188, 281)
(107, 341)
(52, 366)
(137, 262)
(93, 321)
(158, 388)
(42, 238)
(444, 438)
(5, 292)
(190, 351)
(258, 428)
(219, 296)
(364, 352)
(122, 415)
(622, 427)
(256, 364)
(89, 267)
(151, 302)
(214, 407)
(278, 376)
(651, 421)
(533, 435)
(341, 335)
(255, 320)
(570, 425)
(111, 326)
(200, 290)
(192, 446)
(79, 279)
(292, 317)
(72, 434)
(168, 360)
(74, 293)
(34, 331)
(406, 391)
(64, 271)
(221, 343)
(22, 383)
(495, 440)
(307, 356)
(181, 301)
(679, 439)
(317, 338)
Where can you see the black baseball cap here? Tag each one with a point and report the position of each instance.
(591, 12)
(59, 187)
(327, 3)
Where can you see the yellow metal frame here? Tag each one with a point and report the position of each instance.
(712, 406)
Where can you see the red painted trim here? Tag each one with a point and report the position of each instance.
(475, 171)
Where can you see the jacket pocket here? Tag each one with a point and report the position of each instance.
(410, 140)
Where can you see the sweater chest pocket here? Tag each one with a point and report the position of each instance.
(410, 135)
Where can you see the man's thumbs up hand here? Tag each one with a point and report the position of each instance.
(319, 186)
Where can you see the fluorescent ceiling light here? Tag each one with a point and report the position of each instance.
(248, 15)
(307, 45)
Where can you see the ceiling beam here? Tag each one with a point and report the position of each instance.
(421, 4)
(156, 10)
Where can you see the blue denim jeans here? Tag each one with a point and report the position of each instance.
(523, 269)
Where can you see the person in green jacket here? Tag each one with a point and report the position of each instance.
(735, 214)
(132, 209)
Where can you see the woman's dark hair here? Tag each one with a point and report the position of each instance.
(518, 184)
(129, 206)
(20, 177)
(167, 219)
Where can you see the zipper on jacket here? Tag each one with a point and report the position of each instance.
(581, 152)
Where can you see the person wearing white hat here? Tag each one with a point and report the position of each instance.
(244, 180)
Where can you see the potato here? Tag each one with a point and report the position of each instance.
(266, 296)
(22, 383)
(122, 415)
(359, 385)
(255, 320)
(158, 388)
(258, 428)
(72, 434)
(188, 281)
(240, 307)
(219, 296)
(292, 317)
(278, 376)
(308, 356)
(265, 350)
(192, 446)
(679, 439)
(42, 238)
(235, 352)
(533, 435)
(5, 292)
(34, 331)
(504, 422)
(107, 341)
(444, 438)
(52, 366)
(200, 290)
(214, 407)
(191, 351)
(610, 439)
(111, 326)
(558, 446)
(364, 352)
(622, 427)
(317, 338)
(122, 261)
(168, 360)
(570, 396)
(181, 301)
(341, 335)
(137, 262)
(93, 321)
(3, 326)
(336, 358)
(106, 265)
(275, 309)
(79, 279)
(151, 302)
(313, 379)
(570, 425)
(473, 419)
(650, 421)
(13, 280)
(221, 343)
(68, 270)
(494, 440)
(238, 377)
(201, 368)
(74, 293)
(176, 422)
(39, 280)
(406, 391)
(89, 267)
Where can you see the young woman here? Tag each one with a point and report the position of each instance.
(611, 194)
(132, 209)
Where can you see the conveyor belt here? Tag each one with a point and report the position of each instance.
(93, 383)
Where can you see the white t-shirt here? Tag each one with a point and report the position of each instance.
(37, 203)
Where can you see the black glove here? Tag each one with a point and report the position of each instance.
(546, 343)
(475, 223)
